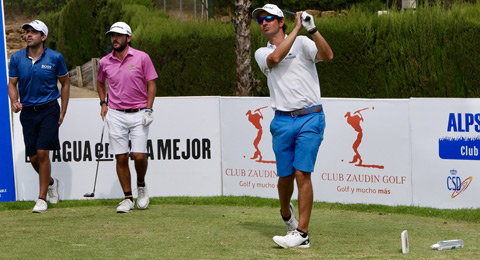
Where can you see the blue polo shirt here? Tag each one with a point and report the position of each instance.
(37, 82)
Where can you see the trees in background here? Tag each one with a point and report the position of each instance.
(246, 82)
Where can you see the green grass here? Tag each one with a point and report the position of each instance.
(228, 228)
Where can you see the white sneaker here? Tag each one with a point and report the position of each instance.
(125, 206)
(292, 223)
(142, 200)
(292, 239)
(52, 191)
(40, 206)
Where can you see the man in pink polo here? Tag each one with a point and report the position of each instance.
(128, 111)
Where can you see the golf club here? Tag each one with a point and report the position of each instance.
(92, 194)
(294, 14)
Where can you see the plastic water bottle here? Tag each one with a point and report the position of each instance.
(448, 244)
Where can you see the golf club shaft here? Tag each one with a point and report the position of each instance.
(294, 14)
(98, 160)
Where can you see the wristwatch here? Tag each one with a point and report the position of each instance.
(103, 102)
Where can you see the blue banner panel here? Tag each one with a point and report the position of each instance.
(7, 179)
(461, 148)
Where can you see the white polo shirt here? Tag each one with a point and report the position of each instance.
(293, 83)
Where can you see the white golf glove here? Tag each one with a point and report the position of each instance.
(310, 24)
(147, 118)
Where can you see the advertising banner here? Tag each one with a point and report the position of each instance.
(445, 152)
(364, 157)
(248, 160)
(183, 152)
(421, 152)
(7, 177)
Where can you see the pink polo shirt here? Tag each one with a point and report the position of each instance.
(127, 79)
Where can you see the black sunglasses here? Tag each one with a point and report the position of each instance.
(266, 18)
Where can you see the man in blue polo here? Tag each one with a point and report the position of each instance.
(35, 70)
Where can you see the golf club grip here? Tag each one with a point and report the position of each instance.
(294, 14)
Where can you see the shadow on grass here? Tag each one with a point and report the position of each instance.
(264, 229)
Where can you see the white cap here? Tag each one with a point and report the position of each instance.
(121, 28)
(37, 25)
(269, 8)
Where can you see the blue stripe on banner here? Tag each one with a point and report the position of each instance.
(7, 179)
(459, 148)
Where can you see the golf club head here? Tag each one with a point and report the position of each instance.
(89, 195)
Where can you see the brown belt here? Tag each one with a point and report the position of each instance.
(300, 112)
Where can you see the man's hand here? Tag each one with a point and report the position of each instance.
(298, 21)
(147, 118)
(310, 24)
(60, 120)
(16, 106)
(103, 111)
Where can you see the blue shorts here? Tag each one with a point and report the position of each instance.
(40, 129)
(296, 141)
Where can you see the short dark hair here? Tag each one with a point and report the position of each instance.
(284, 27)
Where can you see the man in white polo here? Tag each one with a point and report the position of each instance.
(297, 129)
(131, 92)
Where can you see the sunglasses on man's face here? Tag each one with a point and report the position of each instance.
(266, 18)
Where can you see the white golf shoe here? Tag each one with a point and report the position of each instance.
(292, 223)
(40, 206)
(52, 192)
(142, 200)
(125, 206)
(293, 239)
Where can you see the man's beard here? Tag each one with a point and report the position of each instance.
(121, 47)
(34, 44)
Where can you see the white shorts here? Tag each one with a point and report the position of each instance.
(124, 127)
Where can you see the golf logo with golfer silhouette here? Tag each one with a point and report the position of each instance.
(255, 118)
(356, 120)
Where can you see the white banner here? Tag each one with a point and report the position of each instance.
(445, 152)
(364, 157)
(184, 152)
(248, 160)
(393, 152)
